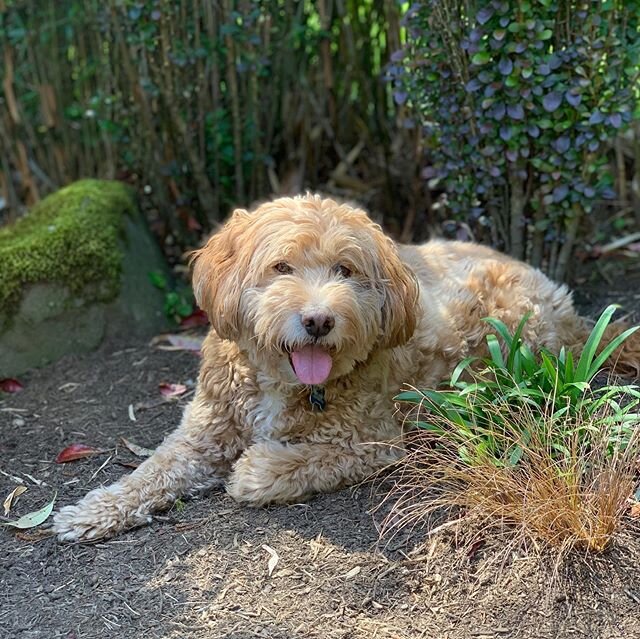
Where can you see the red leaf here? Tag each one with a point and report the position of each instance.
(172, 390)
(197, 318)
(179, 343)
(193, 224)
(9, 385)
(76, 451)
(474, 547)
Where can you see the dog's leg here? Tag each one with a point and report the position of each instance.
(271, 472)
(194, 457)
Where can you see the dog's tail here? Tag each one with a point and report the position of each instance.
(625, 360)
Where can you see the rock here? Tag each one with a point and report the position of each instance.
(74, 270)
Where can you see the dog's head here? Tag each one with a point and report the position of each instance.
(306, 286)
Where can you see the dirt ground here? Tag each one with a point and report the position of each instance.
(202, 570)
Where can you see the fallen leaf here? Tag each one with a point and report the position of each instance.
(132, 415)
(273, 560)
(9, 385)
(172, 390)
(353, 572)
(634, 511)
(197, 318)
(191, 343)
(31, 520)
(14, 494)
(474, 547)
(77, 451)
(139, 451)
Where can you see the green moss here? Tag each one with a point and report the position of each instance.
(71, 237)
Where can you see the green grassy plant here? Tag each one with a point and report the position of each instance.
(527, 439)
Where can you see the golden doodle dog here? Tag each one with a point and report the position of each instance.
(317, 320)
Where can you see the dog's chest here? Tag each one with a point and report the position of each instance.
(266, 416)
(287, 418)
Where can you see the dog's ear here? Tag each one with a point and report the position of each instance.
(400, 295)
(218, 271)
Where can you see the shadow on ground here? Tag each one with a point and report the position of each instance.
(203, 569)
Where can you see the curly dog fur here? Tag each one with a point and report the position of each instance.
(306, 293)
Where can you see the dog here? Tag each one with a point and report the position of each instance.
(317, 320)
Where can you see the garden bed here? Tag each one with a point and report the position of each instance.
(202, 570)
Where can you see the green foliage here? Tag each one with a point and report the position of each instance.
(202, 106)
(87, 217)
(178, 302)
(520, 101)
(554, 391)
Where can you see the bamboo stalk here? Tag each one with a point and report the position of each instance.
(211, 23)
(635, 184)
(236, 114)
(205, 192)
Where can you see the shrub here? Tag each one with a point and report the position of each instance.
(519, 101)
(529, 442)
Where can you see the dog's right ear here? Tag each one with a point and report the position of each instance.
(218, 269)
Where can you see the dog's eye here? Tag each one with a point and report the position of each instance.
(345, 271)
(284, 268)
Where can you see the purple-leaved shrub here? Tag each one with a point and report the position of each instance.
(520, 102)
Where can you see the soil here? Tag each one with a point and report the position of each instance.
(203, 569)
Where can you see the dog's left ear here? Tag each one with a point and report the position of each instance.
(218, 271)
(400, 290)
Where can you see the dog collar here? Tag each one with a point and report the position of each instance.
(316, 398)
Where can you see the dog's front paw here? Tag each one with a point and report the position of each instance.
(102, 513)
(249, 484)
(265, 473)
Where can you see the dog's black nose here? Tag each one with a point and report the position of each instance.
(318, 325)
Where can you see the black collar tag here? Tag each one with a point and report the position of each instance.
(316, 397)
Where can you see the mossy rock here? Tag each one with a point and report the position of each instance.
(75, 269)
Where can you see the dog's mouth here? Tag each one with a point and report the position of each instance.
(311, 364)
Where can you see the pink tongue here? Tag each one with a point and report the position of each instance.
(311, 364)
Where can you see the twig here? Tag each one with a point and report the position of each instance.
(99, 469)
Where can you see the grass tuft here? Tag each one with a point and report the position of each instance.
(526, 442)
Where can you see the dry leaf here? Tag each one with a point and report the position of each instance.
(273, 560)
(197, 318)
(77, 451)
(139, 451)
(132, 415)
(14, 494)
(9, 385)
(191, 343)
(171, 391)
(353, 573)
(634, 511)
